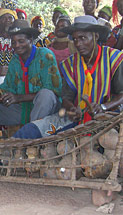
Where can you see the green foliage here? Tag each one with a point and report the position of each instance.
(40, 7)
(45, 9)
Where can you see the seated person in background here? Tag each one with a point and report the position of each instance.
(62, 46)
(58, 11)
(38, 23)
(105, 13)
(21, 14)
(116, 38)
(90, 7)
(94, 71)
(32, 86)
(7, 18)
(104, 16)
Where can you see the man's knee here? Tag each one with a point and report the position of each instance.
(44, 94)
(28, 131)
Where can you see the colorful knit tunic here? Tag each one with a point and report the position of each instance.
(73, 71)
(42, 73)
(41, 41)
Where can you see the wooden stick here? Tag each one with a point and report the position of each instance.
(64, 183)
(63, 111)
(85, 99)
(73, 177)
(117, 156)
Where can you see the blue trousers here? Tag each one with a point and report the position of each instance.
(31, 131)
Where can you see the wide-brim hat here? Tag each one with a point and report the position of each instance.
(22, 27)
(87, 24)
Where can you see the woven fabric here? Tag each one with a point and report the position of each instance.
(73, 71)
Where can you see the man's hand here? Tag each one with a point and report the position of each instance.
(96, 108)
(9, 98)
(3, 70)
(75, 114)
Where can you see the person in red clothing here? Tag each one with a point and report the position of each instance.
(62, 46)
(116, 38)
(21, 14)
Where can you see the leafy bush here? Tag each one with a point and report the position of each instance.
(45, 9)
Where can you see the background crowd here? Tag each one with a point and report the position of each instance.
(10, 11)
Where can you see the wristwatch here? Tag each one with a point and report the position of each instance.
(103, 107)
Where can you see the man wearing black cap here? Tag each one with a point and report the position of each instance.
(32, 87)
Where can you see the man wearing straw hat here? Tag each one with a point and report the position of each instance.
(32, 86)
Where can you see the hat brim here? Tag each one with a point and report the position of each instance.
(102, 30)
(28, 31)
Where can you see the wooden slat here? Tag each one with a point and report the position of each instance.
(64, 183)
(117, 156)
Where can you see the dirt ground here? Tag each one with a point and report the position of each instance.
(21, 199)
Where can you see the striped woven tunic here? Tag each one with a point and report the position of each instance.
(73, 71)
